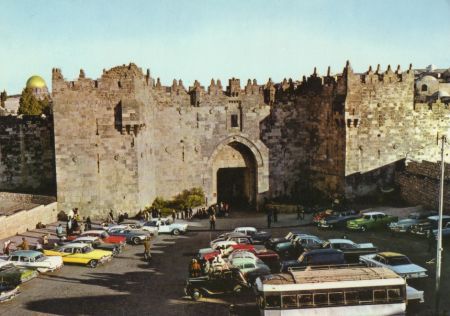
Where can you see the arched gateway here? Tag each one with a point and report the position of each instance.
(239, 172)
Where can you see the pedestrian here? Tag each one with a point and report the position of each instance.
(269, 218)
(111, 216)
(69, 227)
(44, 241)
(147, 246)
(174, 215)
(191, 212)
(7, 247)
(24, 245)
(275, 215)
(59, 232)
(212, 222)
(186, 212)
(88, 225)
(431, 240)
(81, 227)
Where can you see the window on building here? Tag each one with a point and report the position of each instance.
(234, 120)
(424, 87)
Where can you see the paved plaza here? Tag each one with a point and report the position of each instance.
(129, 286)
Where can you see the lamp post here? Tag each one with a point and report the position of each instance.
(439, 233)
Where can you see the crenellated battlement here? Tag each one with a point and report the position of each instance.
(385, 77)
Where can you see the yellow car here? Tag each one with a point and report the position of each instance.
(80, 253)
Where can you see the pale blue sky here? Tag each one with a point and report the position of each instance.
(201, 39)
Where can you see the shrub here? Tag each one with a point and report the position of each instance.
(188, 198)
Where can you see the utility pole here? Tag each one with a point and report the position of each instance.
(439, 234)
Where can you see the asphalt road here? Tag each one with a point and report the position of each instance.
(129, 286)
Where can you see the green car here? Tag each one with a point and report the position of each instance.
(371, 220)
(13, 275)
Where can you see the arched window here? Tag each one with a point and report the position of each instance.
(424, 87)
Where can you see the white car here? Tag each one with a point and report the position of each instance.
(242, 254)
(397, 262)
(165, 226)
(223, 244)
(35, 260)
(132, 225)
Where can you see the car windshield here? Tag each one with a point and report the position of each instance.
(366, 216)
(152, 224)
(86, 249)
(39, 258)
(413, 216)
(396, 261)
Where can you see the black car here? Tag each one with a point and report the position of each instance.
(215, 283)
(316, 257)
(338, 220)
(425, 228)
(273, 242)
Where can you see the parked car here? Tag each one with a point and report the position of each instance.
(133, 225)
(165, 226)
(317, 217)
(219, 282)
(132, 236)
(351, 250)
(397, 262)
(404, 225)
(252, 268)
(297, 246)
(338, 220)
(445, 230)
(237, 239)
(315, 257)
(273, 242)
(35, 260)
(98, 243)
(8, 291)
(15, 275)
(431, 223)
(80, 253)
(371, 220)
(258, 237)
(105, 236)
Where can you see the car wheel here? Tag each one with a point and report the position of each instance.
(196, 294)
(136, 240)
(93, 263)
(176, 232)
(237, 289)
(363, 228)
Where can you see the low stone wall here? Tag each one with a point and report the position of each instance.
(27, 219)
(27, 198)
(419, 184)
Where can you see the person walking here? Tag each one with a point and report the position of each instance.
(88, 225)
(147, 246)
(212, 222)
(174, 215)
(59, 232)
(24, 245)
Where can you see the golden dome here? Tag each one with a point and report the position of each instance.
(36, 82)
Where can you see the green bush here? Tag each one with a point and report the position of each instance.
(188, 198)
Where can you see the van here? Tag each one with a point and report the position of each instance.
(315, 257)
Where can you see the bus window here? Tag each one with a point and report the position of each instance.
(273, 301)
(320, 299)
(379, 296)
(289, 301)
(365, 296)
(336, 298)
(305, 300)
(394, 295)
(351, 297)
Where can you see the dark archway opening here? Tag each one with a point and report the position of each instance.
(231, 185)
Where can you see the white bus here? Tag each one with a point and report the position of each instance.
(349, 291)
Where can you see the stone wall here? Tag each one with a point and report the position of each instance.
(27, 156)
(420, 184)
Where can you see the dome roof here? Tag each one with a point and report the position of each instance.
(36, 82)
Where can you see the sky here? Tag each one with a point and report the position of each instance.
(204, 39)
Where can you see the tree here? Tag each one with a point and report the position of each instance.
(3, 97)
(30, 105)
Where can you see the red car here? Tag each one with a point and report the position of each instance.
(321, 215)
(102, 235)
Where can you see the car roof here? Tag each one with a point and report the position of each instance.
(374, 213)
(243, 260)
(74, 245)
(91, 238)
(94, 231)
(245, 228)
(340, 240)
(26, 253)
(390, 254)
(436, 217)
(327, 250)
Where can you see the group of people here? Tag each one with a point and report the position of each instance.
(41, 243)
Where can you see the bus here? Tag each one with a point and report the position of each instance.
(333, 290)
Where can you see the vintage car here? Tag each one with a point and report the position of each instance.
(132, 236)
(133, 224)
(80, 253)
(445, 230)
(273, 242)
(397, 262)
(338, 220)
(430, 224)
(165, 226)
(258, 237)
(15, 275)
(252, 268)
(404, 225)
(315, 257)
(35, 260)
(98, 243)
(351, 250)
(216, 283)
(227, 236)
(105, 236)
(297, 246)
(371, 220)
(237, 239)
(317, 217)
(8, 291)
